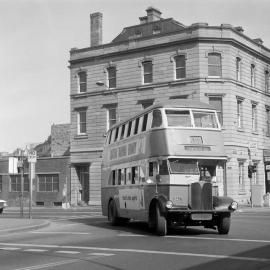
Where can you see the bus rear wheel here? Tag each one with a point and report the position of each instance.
(161, 223)
(112, 213)
(224, 225)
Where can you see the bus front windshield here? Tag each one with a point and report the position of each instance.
(182, 166)
(205, 119)
(183, 118)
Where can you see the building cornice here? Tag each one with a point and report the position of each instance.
(186, 36)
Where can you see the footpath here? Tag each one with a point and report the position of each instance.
(17, 224)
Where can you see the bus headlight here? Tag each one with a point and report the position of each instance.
(169, 204)
(233, 206)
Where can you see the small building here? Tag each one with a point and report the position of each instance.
(51, 185)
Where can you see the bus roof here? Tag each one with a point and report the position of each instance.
(191, 104)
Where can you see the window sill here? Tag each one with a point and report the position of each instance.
(81, 136)
(240, 130)
(242, 192)
(255, 132)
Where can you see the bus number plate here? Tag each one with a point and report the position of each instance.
(201, 216)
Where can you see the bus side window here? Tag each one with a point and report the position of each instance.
(112, 136)
(136, 125)
(134, 173)
(149, 121)
(116, 134)
(122, 132)
(129, 128)
(123, 176)
(151, 168)
(128, 176)
(142, 174)
(113, 177)
(157, 119)
(144, 124)
(119, 176)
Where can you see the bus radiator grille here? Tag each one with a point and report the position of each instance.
(201, 196)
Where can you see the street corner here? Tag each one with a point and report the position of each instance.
(14, 225)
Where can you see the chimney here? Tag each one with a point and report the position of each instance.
(96, 29)
(153, 14)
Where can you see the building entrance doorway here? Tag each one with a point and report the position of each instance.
(83, 176)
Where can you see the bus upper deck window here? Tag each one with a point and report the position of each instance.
(157, 119)
(116, 134)
(129, 128)
(136, 126)
(122, 132)
(144, 125)
(178, 118)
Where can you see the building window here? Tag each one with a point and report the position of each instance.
(82, 81)
(239, 113)
(48, 183)
(254, 117)
(214, 65)
(147, 72)
(180, 67)
(238, 68)
(111, 116)
(267, 121)
(217, 103)
(81, 118)
(252, 75)
(1, 183)
(111, 71)
(266, 80)
(145, 103)
(15, 183)
(156, 29)
(241, 175)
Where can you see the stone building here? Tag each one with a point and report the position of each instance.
(162, 59)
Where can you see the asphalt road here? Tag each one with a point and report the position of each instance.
(91, 243)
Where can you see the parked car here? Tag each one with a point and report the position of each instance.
(3, 204)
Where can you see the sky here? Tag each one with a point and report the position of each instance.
(37, 35)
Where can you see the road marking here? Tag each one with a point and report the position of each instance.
(67, 252)
(219, 239)
(41, 266)
(76, 233)
(144, 251)
(101, 254)
(128, 234)
(35, 250)
(9, 248)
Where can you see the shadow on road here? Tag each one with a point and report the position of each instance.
(138, 227)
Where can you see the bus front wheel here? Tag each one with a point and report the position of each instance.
(224, 225)
(161, 223)
(112, 213)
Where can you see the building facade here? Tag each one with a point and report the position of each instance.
(51, 184)
(162, 59)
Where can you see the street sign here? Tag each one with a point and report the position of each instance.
(32, 156)
(253, 145)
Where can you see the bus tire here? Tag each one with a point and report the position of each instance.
(112, 213)
(224, 224)
(161, 223)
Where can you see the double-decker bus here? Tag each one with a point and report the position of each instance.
(159, 166)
